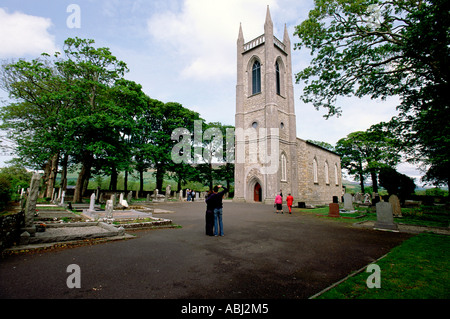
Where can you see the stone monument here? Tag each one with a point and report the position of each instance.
(92, 202)
(396, 208)
(348, 202)
(30, 208)
(385, 220)
(333, 210)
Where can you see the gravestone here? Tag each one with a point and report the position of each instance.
(121, 198)
(333, 210)
(167, 192)
(396, 208)
(62, 197)
(367, 199)
(109, 209)
(148, 197)
(348, 202)
(385, 220)
(156, 194)
(92, 202)
(30, 208)
(130, 196)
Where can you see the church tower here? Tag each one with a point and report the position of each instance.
(266, 142)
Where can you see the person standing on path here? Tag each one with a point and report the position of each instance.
(279, 203)
(209, 217)
(289, 201)
(215, 200)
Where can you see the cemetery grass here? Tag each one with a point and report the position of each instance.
(417, 269)
(432, 216)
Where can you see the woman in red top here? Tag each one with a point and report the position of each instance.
(289, 201)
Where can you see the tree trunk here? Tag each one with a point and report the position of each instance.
(141, 181)
(125, 182)
(64, 172)
(373, 174)
(159, 178)
(82, 176)
(113, 181)
(45, 177)
(52, 176)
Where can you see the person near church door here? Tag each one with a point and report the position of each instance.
(289, 202)
(279, 203)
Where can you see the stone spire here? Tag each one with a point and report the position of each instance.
(241, 34)
(286, 40)
(268, 22)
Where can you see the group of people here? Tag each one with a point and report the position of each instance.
(190, 195)
(279, 202)
(214, 206)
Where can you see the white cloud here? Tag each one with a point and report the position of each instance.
(204, 34)
(22, 34)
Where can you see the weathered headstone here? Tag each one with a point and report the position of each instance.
(30, 208)
(396, 208)
(120, 198)
(130, 196)
(109, 209)
(367, 198)
(92, 202)
(156, 194)
(358, 198)
(167, 192)
(62, 197)
(148, 197)
(333, 210)
(385, 220)
(348, 202)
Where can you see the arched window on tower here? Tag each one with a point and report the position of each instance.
(256, 77)
(278, 79)
(283, 168)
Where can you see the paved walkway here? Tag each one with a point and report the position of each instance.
(262, 255)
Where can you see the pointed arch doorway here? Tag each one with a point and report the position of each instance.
(257, 193)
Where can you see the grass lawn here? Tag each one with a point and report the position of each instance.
(417, 269)
(434, 216)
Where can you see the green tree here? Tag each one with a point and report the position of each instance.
(381, 48)
(365, 153)
(396, 183)
(92, 72)
(167, 118)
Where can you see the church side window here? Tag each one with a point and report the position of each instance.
(316, 175)
(327, 177)
(336, 174)
(256, 77)
(278, 83)
(283, 168)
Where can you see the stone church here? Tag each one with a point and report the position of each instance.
(269, 157)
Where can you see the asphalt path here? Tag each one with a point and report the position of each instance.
(263, 255)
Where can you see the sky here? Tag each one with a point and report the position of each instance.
(182, 51)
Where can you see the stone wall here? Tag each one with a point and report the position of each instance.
(10, 226)
(322, 190)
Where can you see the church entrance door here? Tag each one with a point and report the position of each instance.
(257, 194)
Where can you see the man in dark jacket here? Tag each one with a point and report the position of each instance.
(215, 202)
